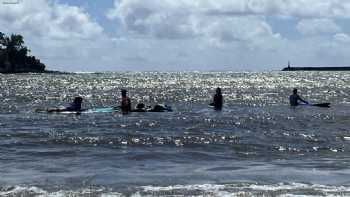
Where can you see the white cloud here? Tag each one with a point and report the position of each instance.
(285, 8)
(182, 34)
(318, 26)
(168, 19)
(342, 38)
(48, 19)
(236, 32)
(251, 31)
(56, 33)
(162, 19)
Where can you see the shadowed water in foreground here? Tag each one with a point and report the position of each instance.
(257, 145)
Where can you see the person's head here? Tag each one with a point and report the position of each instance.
(123, 91)
(78, 100)
(295, 91)
(218, 90)
(158, 108)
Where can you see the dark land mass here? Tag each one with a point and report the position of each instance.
(316, 69)
(14, 56)
(52, 72)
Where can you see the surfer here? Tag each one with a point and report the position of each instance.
(161, 108)
(294, 98)
(125, 102)
(75, 106)
(217, 100)
(140, 108)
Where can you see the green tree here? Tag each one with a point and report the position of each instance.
(14, 55)
(2, 38)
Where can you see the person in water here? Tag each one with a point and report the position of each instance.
(140, 108)
(75, 106)
(295, 98)
(217, 100)
(125, 102)
(161, 108)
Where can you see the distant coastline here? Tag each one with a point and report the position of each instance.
(316, 68)
(54, 72)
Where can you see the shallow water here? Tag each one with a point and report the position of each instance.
(257, 145)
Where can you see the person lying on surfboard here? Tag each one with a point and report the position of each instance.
(75, 106)
(140, 108)
(217, 100)
(295, 98)
(125, 104)
(161, 108)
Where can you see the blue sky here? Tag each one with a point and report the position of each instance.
(140, 35)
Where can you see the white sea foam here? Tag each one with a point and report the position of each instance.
(227, 190)
(247, 189)
(35, 191)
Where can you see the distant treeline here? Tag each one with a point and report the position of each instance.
(14, 56)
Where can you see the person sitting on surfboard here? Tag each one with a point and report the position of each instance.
(294, 98)
(125, 102)
(75, 106)
(217, 100)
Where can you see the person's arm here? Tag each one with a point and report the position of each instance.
(302, 100)
(215, 99)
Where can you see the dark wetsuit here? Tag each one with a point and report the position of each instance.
(74, 107)
(161, 108)
(218, 101)
(294, 98)
(126, 105)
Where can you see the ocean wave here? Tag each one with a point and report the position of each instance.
(219, 190)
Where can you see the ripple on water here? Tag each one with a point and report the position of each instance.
(256, 124)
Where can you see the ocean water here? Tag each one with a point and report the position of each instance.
(256, 146)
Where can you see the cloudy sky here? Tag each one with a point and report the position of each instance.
(137, 35)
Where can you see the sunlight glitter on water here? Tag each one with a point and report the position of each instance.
(257, 137)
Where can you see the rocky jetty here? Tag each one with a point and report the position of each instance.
(316, 69)
(290, 68)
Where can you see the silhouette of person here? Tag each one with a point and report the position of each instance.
(294, 98)
(161, 108)
(217, 100)
(140, 108)
(74, 106)
(125, 102)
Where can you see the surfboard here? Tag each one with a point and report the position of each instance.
(325, 105)
(84, 111)
(101, 110)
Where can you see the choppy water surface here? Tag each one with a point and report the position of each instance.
(257, 145)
